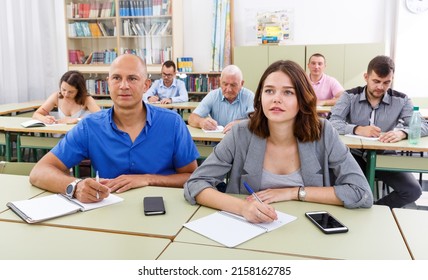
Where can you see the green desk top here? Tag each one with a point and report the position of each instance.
(15, 187)
(37, 242)
(128, 216)
(414, 227)
(188, 251)
(373, 234)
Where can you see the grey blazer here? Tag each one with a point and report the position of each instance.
(326, 162)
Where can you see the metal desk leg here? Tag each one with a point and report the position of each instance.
(371, 168)
(8, 152)
(18, 148)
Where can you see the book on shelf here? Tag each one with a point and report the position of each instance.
(141, 29)
(56, 205)
(97, 58)
(95, 29)
(85, 28)
(102, 29)
(71, 30)
(78, 29)
(231, 230)
(166, 28)
(76, 57)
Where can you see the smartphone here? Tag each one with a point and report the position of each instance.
(326, 222)
(153, 205)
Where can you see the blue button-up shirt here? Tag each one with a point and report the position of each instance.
(163, 145)
(177, 91)
(217, 106)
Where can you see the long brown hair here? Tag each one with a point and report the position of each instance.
(307, 126)
(75, 79)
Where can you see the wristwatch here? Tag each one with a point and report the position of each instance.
(301, 194)
(71, 188)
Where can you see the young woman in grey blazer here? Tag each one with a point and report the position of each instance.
(284, 152)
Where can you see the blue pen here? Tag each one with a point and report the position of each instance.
(250, 190)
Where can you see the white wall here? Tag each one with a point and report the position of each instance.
(318, 22)
(198, 25)
(315, 22)
(411, 52)
(326, 22)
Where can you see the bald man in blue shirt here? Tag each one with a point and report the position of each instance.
(131, 145)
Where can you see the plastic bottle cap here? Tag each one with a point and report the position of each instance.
(415, 108)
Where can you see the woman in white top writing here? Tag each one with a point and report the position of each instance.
(72, 101)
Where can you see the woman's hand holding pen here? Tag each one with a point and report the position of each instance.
(49, 119)
(256, 212)
(90, 190)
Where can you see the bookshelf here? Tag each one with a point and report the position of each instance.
(99, 30)
(198, 84)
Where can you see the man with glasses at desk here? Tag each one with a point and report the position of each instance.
(374, 111)
(168, 89)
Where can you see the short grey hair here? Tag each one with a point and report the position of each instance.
(232, 70)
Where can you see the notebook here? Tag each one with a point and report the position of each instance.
(51, 206)
(231, 230)
(35, 123)
(362, 137)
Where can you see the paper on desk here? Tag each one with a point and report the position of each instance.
(219, 128)
(362, 137)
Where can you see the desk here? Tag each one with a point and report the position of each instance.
(127, 217)
(36, 242)
(104, 103)
(13, 125)
(373, 234)
(15, 187)
(414, 228)
(15, 108)
(410, 164)
(324, 109)
(351, 142)
(187, 251)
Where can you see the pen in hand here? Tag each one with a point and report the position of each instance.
(250, 190)
(97, 178)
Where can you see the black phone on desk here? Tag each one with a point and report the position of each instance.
(153, 205)
(326, 222)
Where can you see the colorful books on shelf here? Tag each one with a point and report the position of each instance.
(201, 82)
(184, 64)
(93, 9)
(97, 86)
(130, 8)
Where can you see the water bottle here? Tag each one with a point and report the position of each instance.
(415, 127)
